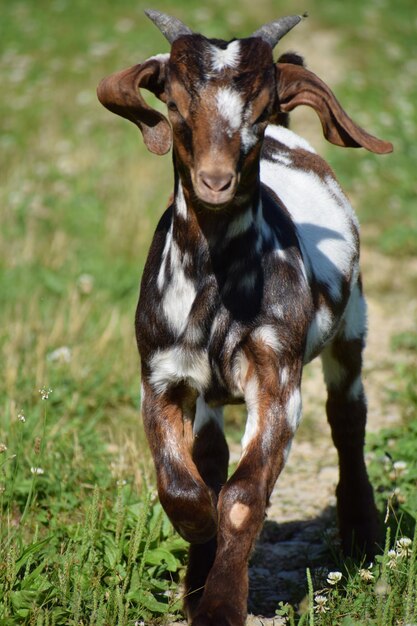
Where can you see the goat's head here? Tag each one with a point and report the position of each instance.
(220, 97)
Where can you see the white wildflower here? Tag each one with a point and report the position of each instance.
(3, 447)
(392, 559)
(321, 602)
(45, 393)
(21, 417)
(404, 547)
(60, 355)
(38, 471)
(334, 577)
(366, 575)
(85, 283)
(400, 467)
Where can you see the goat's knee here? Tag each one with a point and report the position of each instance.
(189, 504)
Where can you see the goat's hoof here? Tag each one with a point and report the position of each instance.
(221, 616)
(359, 523)
(360, 538)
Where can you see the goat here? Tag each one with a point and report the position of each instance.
(253, 271)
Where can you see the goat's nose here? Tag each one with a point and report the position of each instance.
(217, 181)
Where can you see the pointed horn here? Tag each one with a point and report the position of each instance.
(170, 27)
(274, 31)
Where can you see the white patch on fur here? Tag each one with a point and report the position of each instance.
(320, 331)
(335, 375)
(267, 334)
(229, 57)
(239, 370)
(162, 58)
(277, 311)
(171, 366)
(333, 370)
(248, 137)
(288, 138)
(293, 410)
(341, 198)
(179, 294)
(216, 325)
(160, 281)
(194, 334)
(355, 316)
(205, 414)
(324, 225)
(284, 376)
(180, 204)
(230, 107)
(252, 404)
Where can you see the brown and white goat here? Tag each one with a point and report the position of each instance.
(252, 272)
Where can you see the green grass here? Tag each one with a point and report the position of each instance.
(85, 541)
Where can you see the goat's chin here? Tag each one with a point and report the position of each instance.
(215, 200)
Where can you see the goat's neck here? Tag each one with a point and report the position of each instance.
(226, 244)
(195, 224)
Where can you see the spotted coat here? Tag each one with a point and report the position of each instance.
(252, 272)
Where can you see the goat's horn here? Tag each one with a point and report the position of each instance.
(274, 31)
(170, 27)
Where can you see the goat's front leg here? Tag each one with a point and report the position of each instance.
(211, 456)
(273, 412)
(188, 501)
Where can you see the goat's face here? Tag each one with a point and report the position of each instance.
(220, 97)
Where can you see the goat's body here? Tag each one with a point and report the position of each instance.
(252, 272)
(252, 276)
(232, 305)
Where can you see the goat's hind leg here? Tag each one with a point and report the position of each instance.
(211, 456)
(346, 413)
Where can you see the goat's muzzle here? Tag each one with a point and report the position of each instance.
(215, 186)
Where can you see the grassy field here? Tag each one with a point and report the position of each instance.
(83, 540)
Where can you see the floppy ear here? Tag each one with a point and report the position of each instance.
(120, 94)
(297, 86)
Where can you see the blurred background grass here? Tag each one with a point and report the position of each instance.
(80, 196)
